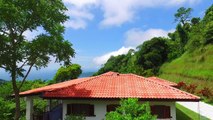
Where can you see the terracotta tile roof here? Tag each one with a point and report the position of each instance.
(113, 85)
(165, 82)
(54, 86)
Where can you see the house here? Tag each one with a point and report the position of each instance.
(94, 96)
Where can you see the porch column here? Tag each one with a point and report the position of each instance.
(64, 110)
(48, 105)
(29, 108)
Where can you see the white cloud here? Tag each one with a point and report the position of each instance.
(103, 59)
(78, 17)
(118, 12)
(115, 12)
(79, 13)
(135, 36)
(80, 3)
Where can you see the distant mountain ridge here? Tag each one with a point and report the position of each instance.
(2, 81)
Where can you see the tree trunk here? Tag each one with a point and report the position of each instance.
(16, 92)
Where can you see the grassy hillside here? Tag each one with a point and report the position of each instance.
(195, 67)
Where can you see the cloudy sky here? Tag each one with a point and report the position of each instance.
(99, 29)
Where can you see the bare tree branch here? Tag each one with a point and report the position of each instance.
(24, 79)
(22, 65)
(2, 67)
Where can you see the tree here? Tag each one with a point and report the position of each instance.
(19, 55)
(195, 21)
(67, 73)
(152, 54)
(130, 109)
(183, 15)
(183, 28)
(208, 20)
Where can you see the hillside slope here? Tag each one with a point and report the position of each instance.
(195, 67)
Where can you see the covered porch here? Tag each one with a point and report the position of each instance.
(52, 111)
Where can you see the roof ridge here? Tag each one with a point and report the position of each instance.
(169, 87)
(161, 79)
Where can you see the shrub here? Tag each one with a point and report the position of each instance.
(130, 109)
(206, 92)
(75, 117)
(191, 88)
(181, 85)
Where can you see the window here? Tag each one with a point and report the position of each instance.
(80, 109)
(161, 111)
(112, 107)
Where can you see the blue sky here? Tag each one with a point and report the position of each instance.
(101, 28)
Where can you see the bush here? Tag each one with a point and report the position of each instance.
(75, 117)
(130, 109)
(191, 88)
(206, 92)
(181, 85)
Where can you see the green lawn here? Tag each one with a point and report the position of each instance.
(183, 113)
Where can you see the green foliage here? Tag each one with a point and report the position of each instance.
(151, 54)
(6, 107)
(74, 117)
(145, 61)
(183, 15)
(7, 104)
(18, 55)
(130, 109)
(208, 20)
(67, 73)
(192, 68)
(196, 64)
(195, 21)
(208, 35)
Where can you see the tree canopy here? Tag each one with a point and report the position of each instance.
(67, 73)
(18, 54)
(183, 15)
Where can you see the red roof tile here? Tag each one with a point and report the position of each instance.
(113, 85)
(165, 82)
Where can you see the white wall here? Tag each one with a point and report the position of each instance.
(100, 107)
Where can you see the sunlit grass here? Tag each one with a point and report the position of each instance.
(197, 65)
(183, 113)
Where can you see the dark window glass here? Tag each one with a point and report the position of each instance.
(80, 109)
(161, 111)
(112, 107)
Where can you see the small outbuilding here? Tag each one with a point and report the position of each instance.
(97, 95)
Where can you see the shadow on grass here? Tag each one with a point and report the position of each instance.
(181, 115)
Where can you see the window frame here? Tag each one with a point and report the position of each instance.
(73, 108)
(109, 107)
(162, 111)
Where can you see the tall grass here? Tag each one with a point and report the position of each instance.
(195, 67)
(198, 64)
